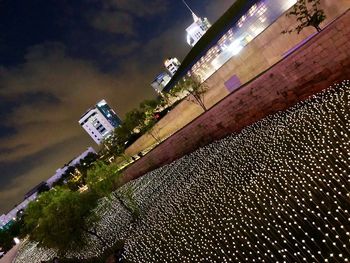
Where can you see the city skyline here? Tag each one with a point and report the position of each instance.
(57, 59)
(231, 125)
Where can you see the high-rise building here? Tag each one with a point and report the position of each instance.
(197, 29)
(160, 82)
(99, 121)
(172, 65)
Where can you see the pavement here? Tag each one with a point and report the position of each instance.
(10, 255)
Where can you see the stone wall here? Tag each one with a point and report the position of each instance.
(259, 55)
(320, 62)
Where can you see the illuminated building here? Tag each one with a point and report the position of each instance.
(172, 64)
(197, 29)
(256, 19)
(100, 121)
(160, 82)
(257, 15)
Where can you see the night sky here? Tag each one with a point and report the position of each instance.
(59, 57)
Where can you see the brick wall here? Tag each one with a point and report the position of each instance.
(322, 61)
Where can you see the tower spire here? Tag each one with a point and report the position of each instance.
(195, 18)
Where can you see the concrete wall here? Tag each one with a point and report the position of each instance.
(259, 55)
(316, 65)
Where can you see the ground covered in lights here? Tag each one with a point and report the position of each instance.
(277, 192)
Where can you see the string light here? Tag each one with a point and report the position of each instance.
(276, 192)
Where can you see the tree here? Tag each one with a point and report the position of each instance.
(34, 211)
(76, 181)
(134, 120)
(307, 14)
(149, 106)
(195, 88)
(16, 229)
(128, 132)
(43, 188)
(6, 240)
(64, 177)
(12, 230)
(172, 96)
(138, 121)
(147, 128)
(165, 99)
(102, 179)
(58, 219)
(86, 163)
(114, 145)
(122, 133)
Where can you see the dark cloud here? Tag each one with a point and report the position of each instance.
(18, 177)
(138, 8)
(5, 130)
(43, 96)
(114, 22)
(122, 50)
(43, 128)
(6, 151)
(119, 16)
(77, 83)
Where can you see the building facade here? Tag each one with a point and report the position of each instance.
(99, 121)
(197, 29)
(172, 65)
(258, 16)
(3, 221)
(160, 82)
(59, 172)
(7, 219)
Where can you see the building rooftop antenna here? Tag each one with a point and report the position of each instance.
(195, 18)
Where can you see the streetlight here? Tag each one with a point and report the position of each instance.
(16, 240)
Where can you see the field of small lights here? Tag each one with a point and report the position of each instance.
(279, 191)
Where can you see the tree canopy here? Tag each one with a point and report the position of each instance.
(102, 179)
(307, 13)
(58, 218)
(195, 88)
(137, 122)
(14, 229)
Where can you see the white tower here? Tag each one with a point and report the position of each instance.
(172, 64)
(197, 29)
